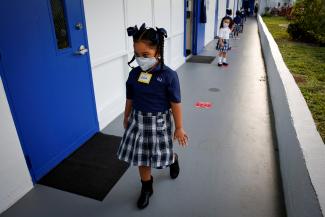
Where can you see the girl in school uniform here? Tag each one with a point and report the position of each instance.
(153, 97)
(237, 21)
(223, 42)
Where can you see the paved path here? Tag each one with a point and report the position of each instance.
(229, 169)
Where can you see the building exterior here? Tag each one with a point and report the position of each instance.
(39, 72)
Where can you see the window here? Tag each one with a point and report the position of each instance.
(60, 24)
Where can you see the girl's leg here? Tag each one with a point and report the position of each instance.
(145, 173)
(224, 55)
(237, 34)
(146, 190)
(220, 59)
(174, 168)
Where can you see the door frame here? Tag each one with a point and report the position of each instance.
(216, 19)
(194, 42)
(198, 29)
(195, 26)
(185, 29)
(80, 140)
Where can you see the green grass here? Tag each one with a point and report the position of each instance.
(307, 64)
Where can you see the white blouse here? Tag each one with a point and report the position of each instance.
(224, 33)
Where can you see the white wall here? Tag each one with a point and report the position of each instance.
(210, 25)
(221, 11)
(15, 180)
(237, 6)
(231, 5)
(240, 4)
(110, 48)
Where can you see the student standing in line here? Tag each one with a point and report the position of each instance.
(246, 7)
(228, 16)
(223, 42)
(153, 97)
(237, 26)
(243, 18)
(231, 24)
(243, 13)
(256, 9)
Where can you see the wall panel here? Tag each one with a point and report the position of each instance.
(15, 180)
(106, 30)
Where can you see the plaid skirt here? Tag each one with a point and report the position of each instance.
(237, 27)
(147, 140)
(225, 47)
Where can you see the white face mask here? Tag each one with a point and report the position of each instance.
(146, 63)
(225, 25)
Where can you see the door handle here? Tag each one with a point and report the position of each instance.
(82, 50)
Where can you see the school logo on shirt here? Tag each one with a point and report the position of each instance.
(159, 79)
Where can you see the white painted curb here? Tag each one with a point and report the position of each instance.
(301, 149)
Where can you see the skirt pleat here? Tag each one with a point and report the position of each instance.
(148, 140)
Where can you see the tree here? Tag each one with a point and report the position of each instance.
(308, 21)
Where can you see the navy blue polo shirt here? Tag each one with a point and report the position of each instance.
(237, 20)
(156, 96)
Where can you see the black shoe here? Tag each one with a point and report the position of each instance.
(146, 192)
(219, 64)
(174, 168)
(225, 64)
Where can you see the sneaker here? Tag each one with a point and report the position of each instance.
(219, 64)
(225, 64)
(174, 168)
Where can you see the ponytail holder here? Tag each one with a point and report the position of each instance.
(162, 31)
(142, 27)
(134, 29)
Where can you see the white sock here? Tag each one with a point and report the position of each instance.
(220, 59)
(225, 60)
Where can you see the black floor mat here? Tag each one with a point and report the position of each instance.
(90, 171)
(201, 59)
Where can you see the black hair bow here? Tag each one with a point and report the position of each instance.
(162, 31)
(134, 29)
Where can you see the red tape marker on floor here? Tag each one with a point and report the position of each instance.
(204, 105)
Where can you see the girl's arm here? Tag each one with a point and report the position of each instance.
(221, 42)
(221, 35)
(179, 134)
(127, 112)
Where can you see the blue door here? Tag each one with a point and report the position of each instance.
(198, 28)
(47, 78)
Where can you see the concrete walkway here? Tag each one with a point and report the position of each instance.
(228, 170)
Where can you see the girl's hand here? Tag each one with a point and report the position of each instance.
(125, 123)
(181, 136)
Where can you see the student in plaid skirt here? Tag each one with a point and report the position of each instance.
(153, 97)
(223, 42)
(237, 27)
